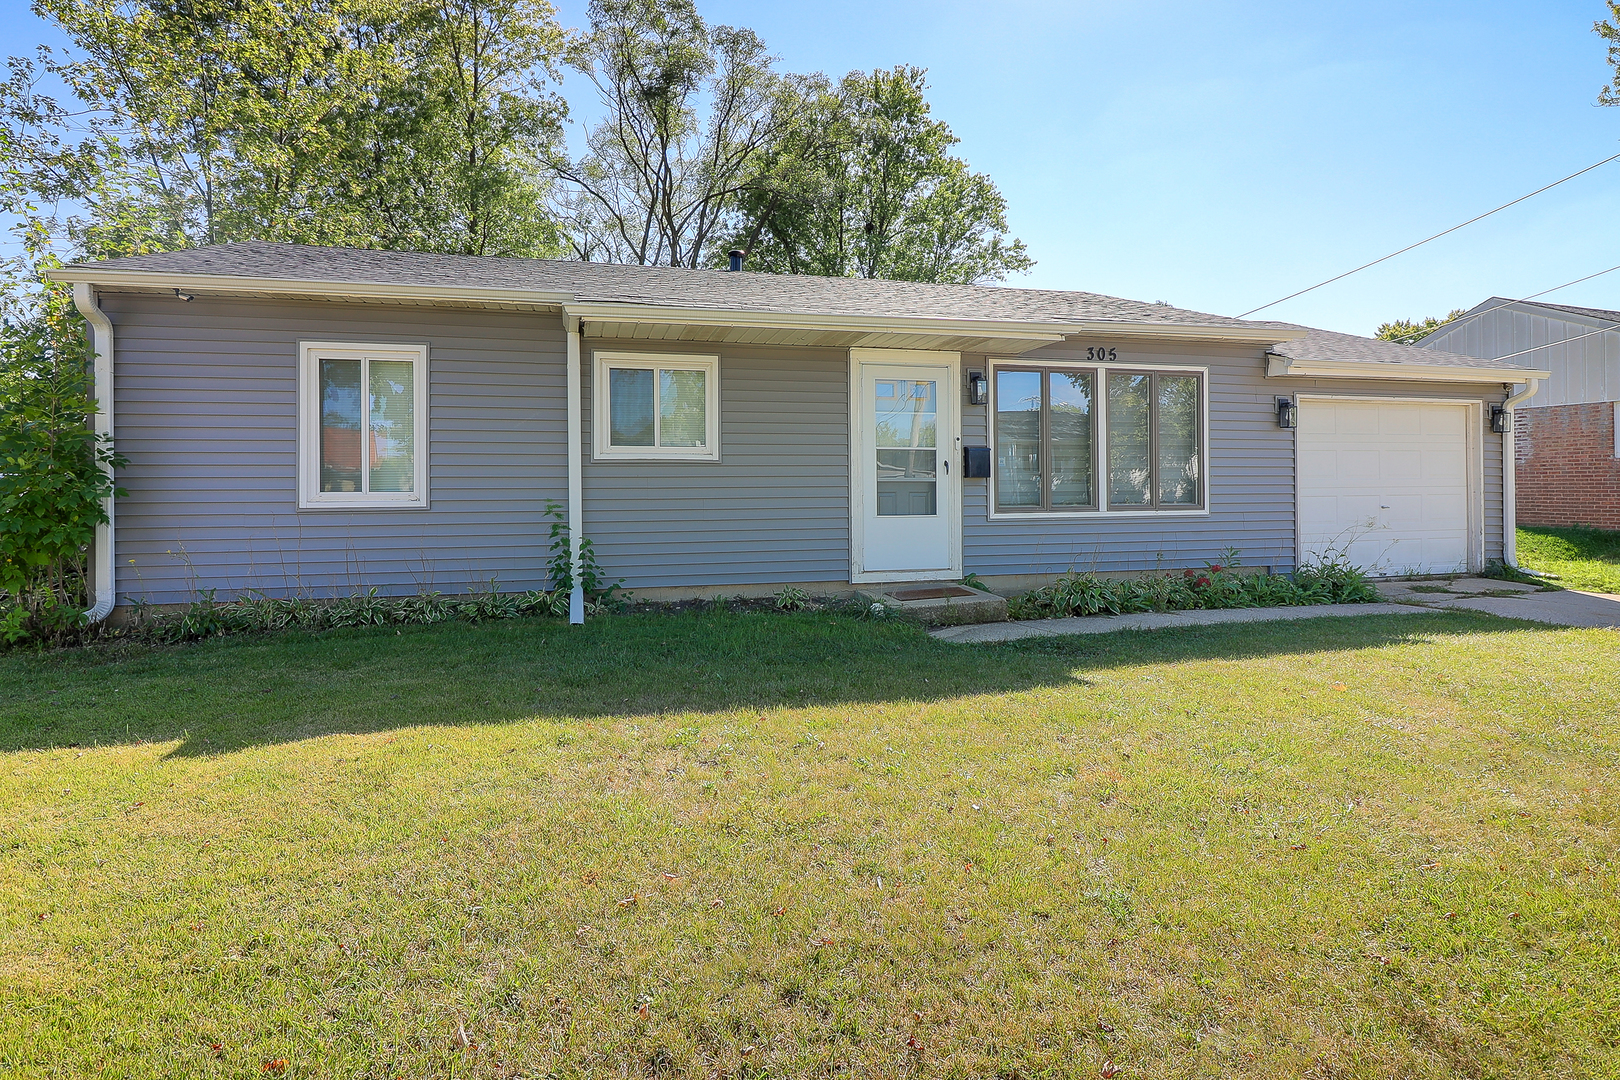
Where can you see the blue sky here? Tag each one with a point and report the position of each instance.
(1221, 155)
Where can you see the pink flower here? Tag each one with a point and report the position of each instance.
(1201, 582)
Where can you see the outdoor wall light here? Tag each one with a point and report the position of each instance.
(1501, 420)
(978, 388)
(187, 297)
(1287, 413)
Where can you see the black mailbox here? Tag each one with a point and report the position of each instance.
(976, 462)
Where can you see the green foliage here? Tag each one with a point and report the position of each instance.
(1217, 585)
(1609, 31)
(259, 614)
(790, 598)
(1407, 331)
(376, 123)
(864, 185)
(688, 108)
(53, 473)
(559, 569)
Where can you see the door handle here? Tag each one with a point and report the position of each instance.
(945, 463)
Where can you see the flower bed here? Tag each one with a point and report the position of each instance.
(1216, 585)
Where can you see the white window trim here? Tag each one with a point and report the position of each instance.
(601, 418)
(1100, 419)
(310, 495)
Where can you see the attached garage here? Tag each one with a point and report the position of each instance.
(1393, 485)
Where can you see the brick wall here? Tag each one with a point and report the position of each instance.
(1566, 468)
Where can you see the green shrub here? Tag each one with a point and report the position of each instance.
(53, 477)
(1217, 585)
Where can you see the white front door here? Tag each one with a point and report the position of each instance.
(907, 519)
(1388, 485)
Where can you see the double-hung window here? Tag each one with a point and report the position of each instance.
(1083, 439)
(657, 407)
(362, 438)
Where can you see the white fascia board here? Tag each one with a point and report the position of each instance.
(776, 320)
(1236, 335)
(1000, 328)
(368, 290)
(1278, 367)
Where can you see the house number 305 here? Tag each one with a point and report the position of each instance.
(1100, 354)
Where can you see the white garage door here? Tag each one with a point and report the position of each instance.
(1385, 484)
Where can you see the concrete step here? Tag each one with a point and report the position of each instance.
(940, 605)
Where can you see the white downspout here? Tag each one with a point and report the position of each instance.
(1510, 485)
(101, 341)
(576, 479)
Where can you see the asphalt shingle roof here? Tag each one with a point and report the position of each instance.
(665, 286)
(1328, 345)
(595, 282)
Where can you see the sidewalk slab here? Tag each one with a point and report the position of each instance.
(988, 633)
(1567, 608)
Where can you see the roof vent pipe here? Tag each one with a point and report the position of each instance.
(736, 255)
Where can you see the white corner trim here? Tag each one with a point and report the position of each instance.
(1278, 367)
(602, 448)
(310, 495)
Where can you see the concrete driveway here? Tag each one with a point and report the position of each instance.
(1509, 599)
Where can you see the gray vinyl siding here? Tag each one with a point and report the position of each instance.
(205, 410)
(1250, 483)
(206, 413)
(1584, 369)
(774, 508)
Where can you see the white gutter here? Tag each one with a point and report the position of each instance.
(1510, 484)
(101, 340)
(576, 479)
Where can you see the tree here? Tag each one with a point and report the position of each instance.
(52, 473)
(1406, 332)
(866, 186)
(689, 108)
(385, 123)
(1610, 32)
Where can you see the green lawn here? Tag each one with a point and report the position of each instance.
(800, 845)
(1587, 559)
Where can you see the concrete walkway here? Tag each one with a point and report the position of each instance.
(985, 633)
(1505, 598)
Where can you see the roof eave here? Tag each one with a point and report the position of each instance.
(1278, 367)
(232, 284)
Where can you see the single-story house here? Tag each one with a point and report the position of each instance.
(319, 421)
(1567, 438)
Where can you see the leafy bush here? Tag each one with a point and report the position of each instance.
(53, 477)
(790, 598)
(1217, 585)
(591, 575)
(256, 613)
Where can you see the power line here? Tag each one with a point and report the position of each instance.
(1420, 243)
(1402, 340)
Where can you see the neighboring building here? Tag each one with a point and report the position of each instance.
(1567, 439)
(312, 420)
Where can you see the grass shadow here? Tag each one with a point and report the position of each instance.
(231, 693)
